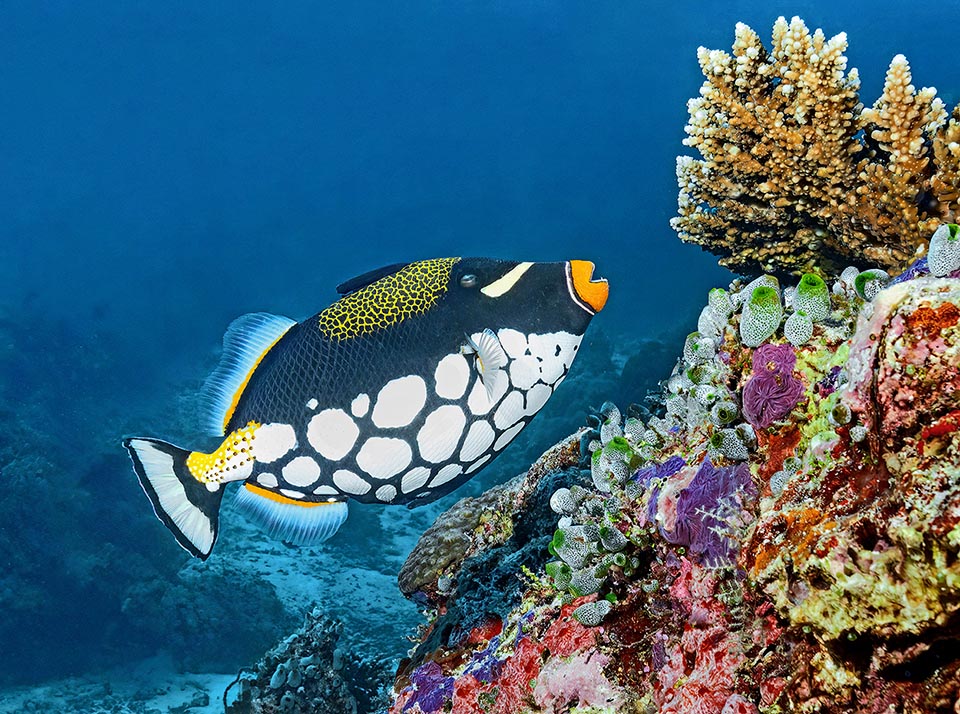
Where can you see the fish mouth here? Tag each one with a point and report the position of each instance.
(589, 293)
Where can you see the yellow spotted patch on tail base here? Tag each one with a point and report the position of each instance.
(410, 291)
(234, 453)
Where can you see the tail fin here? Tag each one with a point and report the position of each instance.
(189, 508)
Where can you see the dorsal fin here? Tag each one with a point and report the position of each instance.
(245, 342)
(371, 276)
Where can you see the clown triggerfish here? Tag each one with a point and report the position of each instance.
(400, 391)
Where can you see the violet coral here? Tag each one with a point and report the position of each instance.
(796, 173)
(772, 392)
(708, 510)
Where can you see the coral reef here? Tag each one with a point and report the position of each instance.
(303, 673)
(796, 173)
(781, 534)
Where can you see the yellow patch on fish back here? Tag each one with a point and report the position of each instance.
(280, 498)
(235, 453)
(410, 291)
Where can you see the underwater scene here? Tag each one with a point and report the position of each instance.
(484, 357)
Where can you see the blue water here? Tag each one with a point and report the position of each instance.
(165, 167)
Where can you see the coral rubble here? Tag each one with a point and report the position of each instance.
(795, 172)
(782, 535)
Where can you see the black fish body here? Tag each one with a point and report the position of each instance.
(397, 393)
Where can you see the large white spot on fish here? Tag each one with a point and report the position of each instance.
(414, 479)
(514, 342)
(562, 345)
(325, 490)
(399, 402)
(478, 401)
(383, 458)
(551, 369)
(349, 482)
(271, 441)
(268, 480)
(452, 376)
(507, 436)
(301, 471)
(289, 493)
(536, 398)
(386, 493)
(360, 405)
(447, 473)
(524, 372)
(479, 438)
(440, 433)
(332, 433)
(509, 411)
(478, 464)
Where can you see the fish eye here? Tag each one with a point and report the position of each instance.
(468, 281)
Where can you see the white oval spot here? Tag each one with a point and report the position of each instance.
(447, 473)
(301, 471)
(544, 346)
(536, 398)
(414, 479)
(349, 482)
(452, 376)
(514, 342)
(325, 490)
(440, 433)
(551, 369)
(387, 493)
(524, 372)
(271, 441)
(312, 404)
(360, 405)
(332, 433)
(290, 493)
(478, 401)
(267, 480)
(399, 402)
(479, 438)
(510, 411)
(478, 464)
(383, 458)
(507, 436)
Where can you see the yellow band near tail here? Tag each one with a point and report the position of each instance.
(232, 461)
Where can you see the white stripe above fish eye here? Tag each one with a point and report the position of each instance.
(503, 284)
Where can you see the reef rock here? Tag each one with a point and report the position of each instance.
(797, 554)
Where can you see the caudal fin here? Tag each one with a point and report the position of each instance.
(189, 508)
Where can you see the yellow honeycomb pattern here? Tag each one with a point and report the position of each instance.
(235, 452)
(410, 291)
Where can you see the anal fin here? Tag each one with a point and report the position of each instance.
(298, 522)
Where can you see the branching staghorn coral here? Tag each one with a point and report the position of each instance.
(796, 173)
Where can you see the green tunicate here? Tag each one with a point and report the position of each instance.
(591, 614)
(719, 301)
(619, 445)
(724, 412)
(761, 316)
(943, 256)
(812, 297)
(870, 282)
(798, 329)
